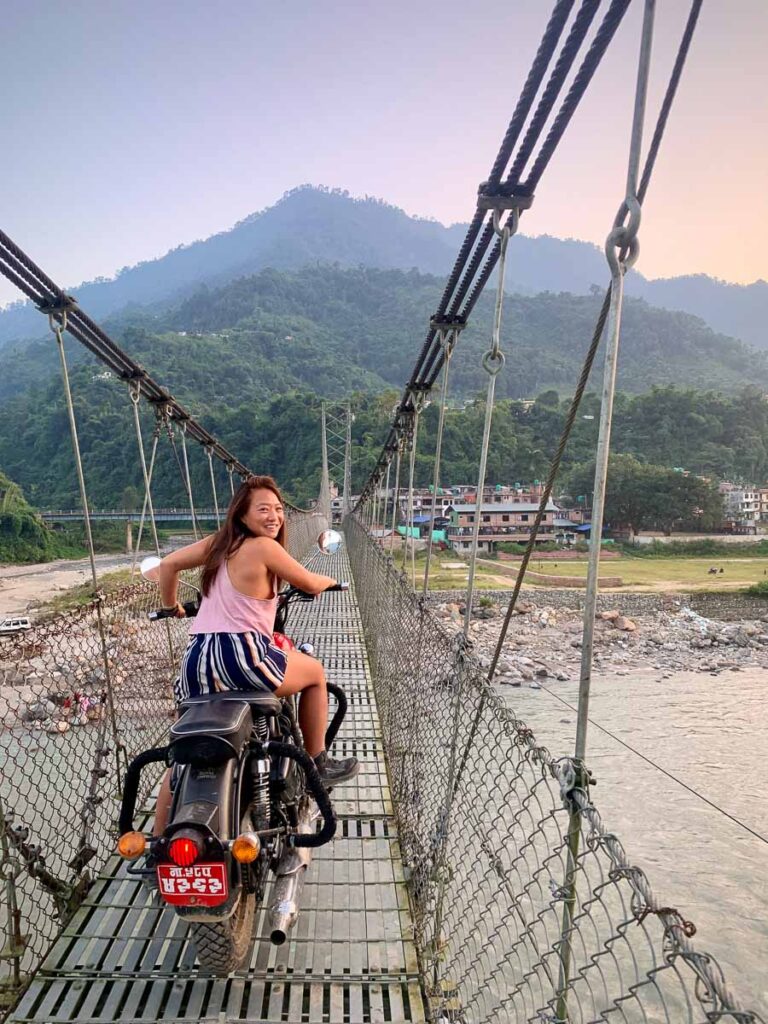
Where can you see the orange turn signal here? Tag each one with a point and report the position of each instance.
(131, 845)
(246, 848)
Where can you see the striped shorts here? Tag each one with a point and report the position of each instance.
(216, 662)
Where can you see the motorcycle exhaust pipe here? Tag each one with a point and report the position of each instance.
(287, 887)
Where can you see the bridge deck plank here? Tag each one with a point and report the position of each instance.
(350, 958)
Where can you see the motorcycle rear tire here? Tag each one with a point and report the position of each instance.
(224, 946)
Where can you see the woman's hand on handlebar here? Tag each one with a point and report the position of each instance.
(179, 611)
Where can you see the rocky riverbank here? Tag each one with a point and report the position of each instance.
(544, 643)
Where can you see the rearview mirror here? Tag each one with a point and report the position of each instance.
(329, 542)
(150, 568)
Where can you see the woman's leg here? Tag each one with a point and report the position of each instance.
(305, 675)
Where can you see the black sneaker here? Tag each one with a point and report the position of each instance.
(333, 772)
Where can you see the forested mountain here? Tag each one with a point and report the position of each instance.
(334, 330)
(311, 225)
(252, 359)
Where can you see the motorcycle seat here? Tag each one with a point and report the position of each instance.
(211, 730)
(259, 703)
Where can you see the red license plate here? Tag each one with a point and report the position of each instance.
(201, 885)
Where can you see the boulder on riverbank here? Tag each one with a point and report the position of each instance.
(546, 639)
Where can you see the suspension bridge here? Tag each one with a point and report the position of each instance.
(473, 878)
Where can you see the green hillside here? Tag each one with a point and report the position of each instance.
(252, 359)
(334, 330)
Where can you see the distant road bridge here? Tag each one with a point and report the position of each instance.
(162, 515)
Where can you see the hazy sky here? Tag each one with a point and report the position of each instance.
(128, 127)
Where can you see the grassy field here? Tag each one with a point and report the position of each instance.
(668, 573)
(649, 574)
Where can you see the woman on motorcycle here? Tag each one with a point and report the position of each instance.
(231, 646)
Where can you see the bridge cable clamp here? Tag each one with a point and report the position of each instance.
(502, 197)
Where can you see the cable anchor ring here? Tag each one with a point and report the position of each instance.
(490, 358)
(507, 230)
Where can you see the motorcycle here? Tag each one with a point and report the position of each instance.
(246, 802)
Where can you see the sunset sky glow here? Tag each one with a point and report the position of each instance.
(130, 128)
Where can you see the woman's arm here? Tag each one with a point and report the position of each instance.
(279, 562)
(189, 557)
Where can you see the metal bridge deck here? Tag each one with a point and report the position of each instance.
(351, 957)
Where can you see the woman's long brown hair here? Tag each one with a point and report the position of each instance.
(231, 535)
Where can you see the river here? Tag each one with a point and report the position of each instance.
(711, 732)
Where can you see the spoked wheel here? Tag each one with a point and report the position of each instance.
(224, 946)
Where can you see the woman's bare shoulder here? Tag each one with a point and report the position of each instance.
(257, 547)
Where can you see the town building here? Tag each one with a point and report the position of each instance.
(499, 523)
(742, 505)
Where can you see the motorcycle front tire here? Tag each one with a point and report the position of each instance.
(224, 946)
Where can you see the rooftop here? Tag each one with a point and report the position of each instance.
(519, 506)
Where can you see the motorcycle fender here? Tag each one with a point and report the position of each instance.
(219, 913)
(205, 797)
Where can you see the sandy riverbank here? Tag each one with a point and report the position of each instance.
(25, 587)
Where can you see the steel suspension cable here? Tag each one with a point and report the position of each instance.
(549, 41)
(155, 439)
(209, 453)
(447, 342)
(49, 298)
(551, 91)
(586, 369)
(410, 540)
(581, 386)
(610, 23)
(188, 479)
(135, 396)
(669, 96)
(591, 62)
(493, 362)
(58, 327)
(386, 497)
(429, 361)
(396, 497)
(584, 76)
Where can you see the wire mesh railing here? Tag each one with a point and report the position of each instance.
(526, 908)
(69, 723)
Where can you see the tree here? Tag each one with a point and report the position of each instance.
(643, 496)
(131, 499)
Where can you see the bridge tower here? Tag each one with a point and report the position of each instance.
(337, 455)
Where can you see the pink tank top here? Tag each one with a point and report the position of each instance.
(226, 610)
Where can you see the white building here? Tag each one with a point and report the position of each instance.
(741, 504)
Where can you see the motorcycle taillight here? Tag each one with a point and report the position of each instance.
(184, 850)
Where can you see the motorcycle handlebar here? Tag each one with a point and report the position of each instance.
(304, 595)
(191, 609)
